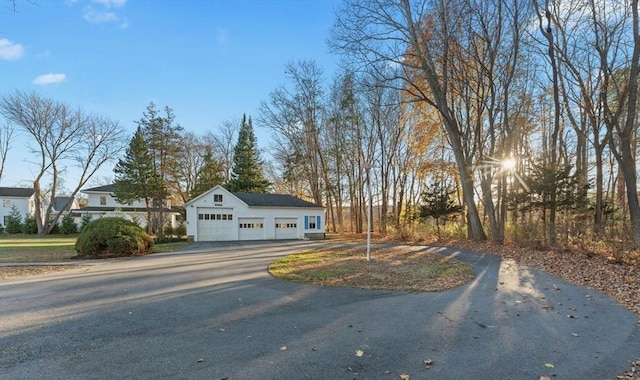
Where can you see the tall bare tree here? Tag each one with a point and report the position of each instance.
(6, 137)
(61, 138)
(417, 38)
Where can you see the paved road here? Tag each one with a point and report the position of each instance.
(213, 312)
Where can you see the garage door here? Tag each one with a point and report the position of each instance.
(286, 228)
(250, 228)
(215, 224)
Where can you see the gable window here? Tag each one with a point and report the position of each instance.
(217, 198)
(103, 200)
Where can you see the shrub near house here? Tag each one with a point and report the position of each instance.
(111, 236)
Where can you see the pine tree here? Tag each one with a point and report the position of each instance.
(136, 178)
(209, 176)
(14, 221)
(68, 225)
(439, 201)
(163, 138)
(247, 175)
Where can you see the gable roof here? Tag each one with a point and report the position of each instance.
(273, 200)
(103, 189)
(20, 192)
(60, 202)
(261, 200)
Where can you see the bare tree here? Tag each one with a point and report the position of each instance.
(296, 113)
(620, 96)
(417, 37)
(6, 138)
(62, 138)
(223, 141)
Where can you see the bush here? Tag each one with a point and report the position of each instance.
(168, 231)
(181, 230)
(112, 236)
(68, 225)
(30, 226)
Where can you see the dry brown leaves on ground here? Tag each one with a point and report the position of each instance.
(20, 271)
(620, 281)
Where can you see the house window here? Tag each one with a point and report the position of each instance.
(217, 198)
(312, 222)
(6, 203)
(103, 200)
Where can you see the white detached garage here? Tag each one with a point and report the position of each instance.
(220, 215)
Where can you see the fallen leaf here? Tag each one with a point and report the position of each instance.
(544, 378)
(428, 363)
(283, 348)
(575, 334)
(404, 376)
(200, 360)
(549, 365)
(359, 353)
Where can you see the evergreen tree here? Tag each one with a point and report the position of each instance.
(247, 175)
(68, 225)
(14, 221)
(209, 176)
(163, 138)
(136, 178)
(439, 201)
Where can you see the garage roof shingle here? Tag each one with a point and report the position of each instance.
(273, 200)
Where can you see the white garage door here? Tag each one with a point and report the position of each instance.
(250, 228)
(286, 228)
(215, 224)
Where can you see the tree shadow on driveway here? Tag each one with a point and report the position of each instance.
(216, 313)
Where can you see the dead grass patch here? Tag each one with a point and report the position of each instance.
(399, 268)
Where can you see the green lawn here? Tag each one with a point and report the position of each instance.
(31, 248)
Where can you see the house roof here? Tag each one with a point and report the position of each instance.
(119, 208)
(103, 189)
(261, 200)
(60, 202)
(273, 200)
(21, 192)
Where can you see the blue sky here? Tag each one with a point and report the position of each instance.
(209, 60)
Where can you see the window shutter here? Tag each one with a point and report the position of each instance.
(318, 223)
(306, 222)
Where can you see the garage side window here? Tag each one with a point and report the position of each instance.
(312, 222)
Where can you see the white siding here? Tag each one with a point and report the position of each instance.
(219, 198)
(24, 206)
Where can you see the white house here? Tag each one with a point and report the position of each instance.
(21, 197)
(102, 202)
(220, 215)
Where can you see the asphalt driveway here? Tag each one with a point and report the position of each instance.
(213, 312)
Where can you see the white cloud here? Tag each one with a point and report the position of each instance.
(97, 17)
(105, 16)
(10, 50)
(110, 3)
(50, 78)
